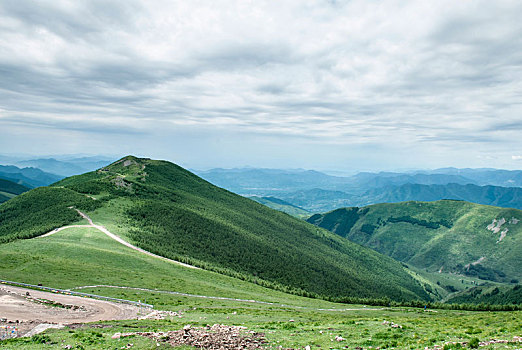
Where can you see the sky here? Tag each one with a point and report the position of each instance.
(327, 85)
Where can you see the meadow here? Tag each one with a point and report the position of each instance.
(84, 256)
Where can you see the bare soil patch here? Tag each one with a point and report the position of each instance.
(28, 308)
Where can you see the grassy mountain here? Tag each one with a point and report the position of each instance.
(489, 294)
(29, 177)
(281, 205)
(447, 236)
(171, 212)
(85, 256)
(9, 189)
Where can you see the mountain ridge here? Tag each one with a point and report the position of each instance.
(169, 211)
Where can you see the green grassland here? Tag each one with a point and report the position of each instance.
(361, 328)
(446, 285)
(447, 236)
(84, 256)
(169, 211)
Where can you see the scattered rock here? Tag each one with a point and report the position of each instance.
(215, 337)
(502, 235)
(160, 315)
(391, 324)
(515, 340)
(496, 225)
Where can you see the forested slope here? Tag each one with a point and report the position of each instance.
(446, 236)
(172, 212)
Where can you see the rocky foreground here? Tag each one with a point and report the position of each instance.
(216, 337)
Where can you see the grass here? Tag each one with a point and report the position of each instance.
(291, 328)
(84, 256)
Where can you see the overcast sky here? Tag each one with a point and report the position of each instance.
(348, 85)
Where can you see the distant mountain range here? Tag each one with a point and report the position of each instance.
(318, 192)
(33, 173)
(68, 167)
(29, 177)
(508, 197)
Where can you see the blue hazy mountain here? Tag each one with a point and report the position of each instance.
(319, 192)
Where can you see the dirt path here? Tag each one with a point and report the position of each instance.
(63, 228)
(15, 305)
(225, 298)
(116, 238)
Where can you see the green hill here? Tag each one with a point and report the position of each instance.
(446, 236)
(489, 294)
(169, 211)
(85, 256)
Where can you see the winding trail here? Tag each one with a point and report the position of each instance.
(115, 237)
(127, 244)
(225, 298)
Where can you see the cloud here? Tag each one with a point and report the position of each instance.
(516, 157)
(431, 74)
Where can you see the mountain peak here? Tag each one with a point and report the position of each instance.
(127, 164)
(173, 213)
